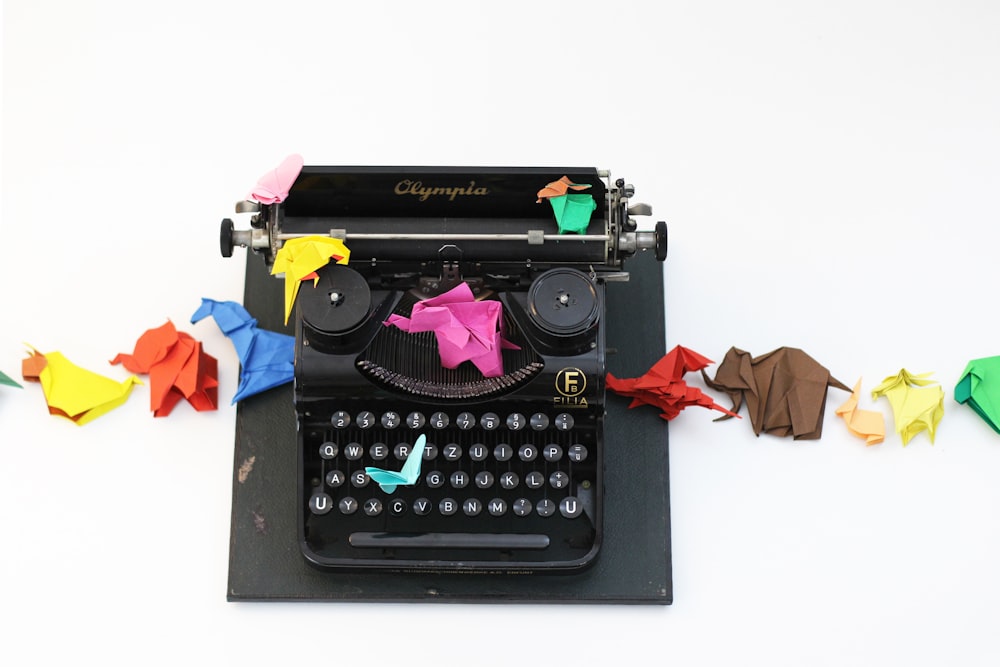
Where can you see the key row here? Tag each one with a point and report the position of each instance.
(569, 507)
(527, 452)
(459, 479)
(466, 421)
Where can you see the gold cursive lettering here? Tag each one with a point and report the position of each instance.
(423, 193)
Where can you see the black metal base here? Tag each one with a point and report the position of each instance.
(634, 565)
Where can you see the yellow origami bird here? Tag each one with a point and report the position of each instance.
(73, 392)
(300, 257)
(916, 405)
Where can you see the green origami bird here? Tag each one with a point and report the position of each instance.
(917, 403)
(980, 389)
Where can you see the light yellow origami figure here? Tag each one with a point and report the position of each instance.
(916, 405)
(300, 257)
(73, 392)
(867, 424)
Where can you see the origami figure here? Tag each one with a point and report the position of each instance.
(867, 424)
(465, 329)
(662, 385)
(572, 211)
(273, 187)
(917, 403)
(177, 368)
(267, 358)
(388, 480)
(6, 380)
(73, 392)
(300, 257)
(785, 390)
(979, 388)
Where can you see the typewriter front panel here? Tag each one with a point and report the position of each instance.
(511, 477)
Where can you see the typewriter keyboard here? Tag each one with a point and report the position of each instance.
(495, 488)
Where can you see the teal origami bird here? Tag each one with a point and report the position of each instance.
(389, 480)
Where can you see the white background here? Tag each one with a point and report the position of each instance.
(829, 172)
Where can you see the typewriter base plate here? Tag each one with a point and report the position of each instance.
(634, 565)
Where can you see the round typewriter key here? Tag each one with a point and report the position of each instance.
(545, 507)
(328, 450)
(509, 480)
(465, 420)
(570, 507)
(391, 420)
(360, 479)
(539, 421)
(451, 452)
(415, 420)
(434, 479)
(347, 505)
(521, 507)
(484, 479)
(489, 421)
(422, 506)
(558, 480)
(534, 480)
(516, 421)
(577, 453)
(353, 451)
(447, 506)
(497, 507)
(402, 450)
(478, 452)
(472, 507)
(503, 452)
(378, 451)
(439, 420)
(430, 451)
(527, 452)
(334, 478)
(459, 479)
(340, 419)
(563, 421)
(552, 452)
(398, 507)
(320, 503)
(373, 507)
(365, 419)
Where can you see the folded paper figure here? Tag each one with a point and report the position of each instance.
(388, 480)
(979, 388)
(662, 385)
(867, 424)
(72, 392)
(267, 358)
(300, 257)
(572, 211)
(917, 403)
(273, 187)
(7, 380)
(785, 390)
(465, 329)
(178, 369)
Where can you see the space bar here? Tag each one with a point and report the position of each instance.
(449, 540)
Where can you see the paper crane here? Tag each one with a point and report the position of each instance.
(465, 329)
(267, 358)
(273, 187)
(979, 388)
(572, 211)
(177, 368)
(785, 390)
(300, 257)
(72, 392)
(388, 480)
(662, 387)
(917, 403)
(867, 424)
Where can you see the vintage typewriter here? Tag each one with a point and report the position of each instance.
(511, 475)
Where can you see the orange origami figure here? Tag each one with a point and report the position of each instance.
(662, 386)
(867, 424)
(559, 188)
(177, 368)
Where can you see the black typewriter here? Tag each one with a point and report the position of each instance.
(510, 477)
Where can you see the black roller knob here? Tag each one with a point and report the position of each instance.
(661, 240)
(226, 238)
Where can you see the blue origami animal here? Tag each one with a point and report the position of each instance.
(267, 358)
